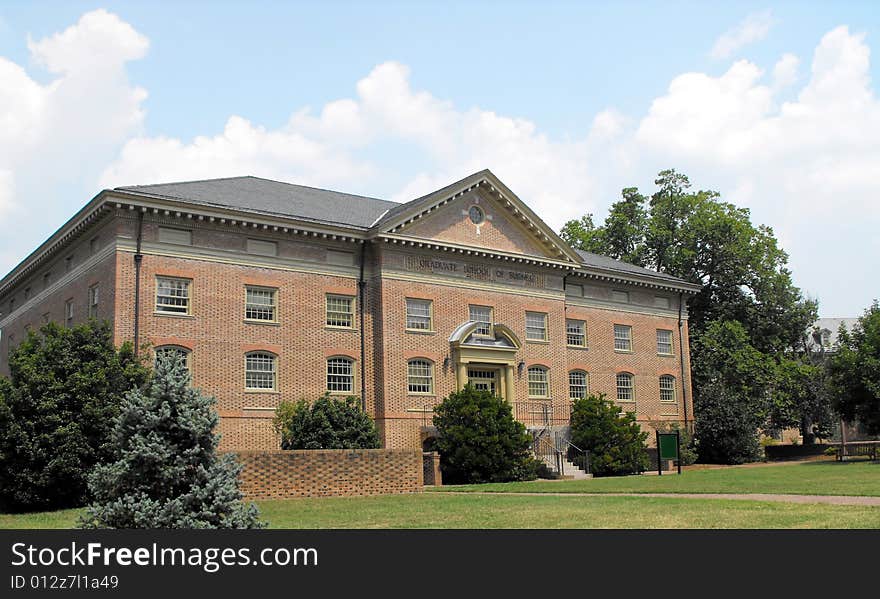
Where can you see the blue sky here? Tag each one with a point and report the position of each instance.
(567, 102)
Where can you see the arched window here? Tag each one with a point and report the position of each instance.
(578, 384)
(539, 385)
(420, 376)
(667, 388)
(260, 371)
(625, 388)
(174, 350)
(340, 375)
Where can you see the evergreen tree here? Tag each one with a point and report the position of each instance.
(166, 472)
(480, 441)
(56, 412)
(613, 437)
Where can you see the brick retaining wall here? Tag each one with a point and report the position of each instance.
(284, 474)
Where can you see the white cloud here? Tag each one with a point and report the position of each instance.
(327, 148)
(753, 28)
(785, 71)
(804, 159)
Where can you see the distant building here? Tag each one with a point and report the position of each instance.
(822, 336)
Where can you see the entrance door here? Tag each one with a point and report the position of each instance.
(484, 378)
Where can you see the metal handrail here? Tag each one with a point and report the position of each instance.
(571, 446)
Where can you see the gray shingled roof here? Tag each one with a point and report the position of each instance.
(606, 263)
(254, 194)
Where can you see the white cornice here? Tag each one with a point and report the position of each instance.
(467, 250)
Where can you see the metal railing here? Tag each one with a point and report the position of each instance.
(577, 456)
(548, 454)
(540, 413)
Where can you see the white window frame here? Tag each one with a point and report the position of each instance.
(253, 310)
(532, 327)
(68, 313)
(538, 377)
(421, 381)
(94, 299)
(572, 384)
(668, 390)
(332, 322)
(343, 381)
(164, 308)
(629, 389)
(419, 319)
(619, 338)
(175, 348)
(482, 331)
(579, 329)
(670, 343)
(252, 374)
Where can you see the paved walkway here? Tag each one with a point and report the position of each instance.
(828, 499)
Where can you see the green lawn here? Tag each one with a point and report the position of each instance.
(810, 478)
(442, 510)
(435, 510)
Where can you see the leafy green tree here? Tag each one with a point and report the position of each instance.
(327, 423)
(800, 398)
(480, 441)
(613, 437)
(56, 412)
(583, 235)
(697, 236)
(855, 371)
(726, 431)
(165, 471)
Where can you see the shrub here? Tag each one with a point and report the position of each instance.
(480, 441)
(726, 430)
(327, 423)
(57, 410)
(615, 441)
(165, 471)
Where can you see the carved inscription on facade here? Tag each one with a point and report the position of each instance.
(471, 270)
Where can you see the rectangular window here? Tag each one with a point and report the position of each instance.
(262, 248)
(418, 314)
(620, 296)
(576, 333)
(68, 313)
(536, 326)
(340, 375)
(661, 301)
(172, 295)
(45, 317)
(340, 258)
(574, 290)
(260, 372)
(667, 389)
(539, 385)
(664, 342)
(625, 387)
(260, 304)
(340, 311)
(622, 337)
(482, 315)
(578, 384)
(420, 377)
(93, 301)
(175, 236)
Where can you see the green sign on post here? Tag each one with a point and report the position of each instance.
(668, 449)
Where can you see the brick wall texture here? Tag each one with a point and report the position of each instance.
(330, 473)
(307, 267)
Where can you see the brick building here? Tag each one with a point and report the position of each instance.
(276, 291)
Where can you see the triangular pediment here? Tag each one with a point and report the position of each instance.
(481, 212)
